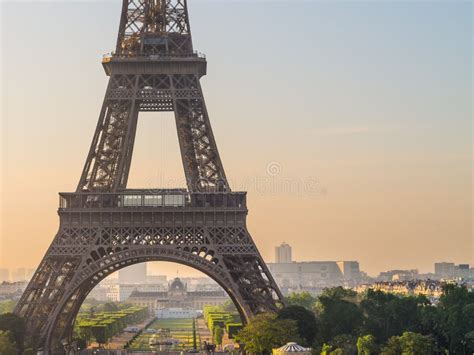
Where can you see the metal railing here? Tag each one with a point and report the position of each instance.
(109, 56)
(153, 199)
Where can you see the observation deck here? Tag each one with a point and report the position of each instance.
(153, 200)
(191, 63)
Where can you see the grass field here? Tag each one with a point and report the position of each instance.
(181, 330)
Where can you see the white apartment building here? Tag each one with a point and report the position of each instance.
(283, 254)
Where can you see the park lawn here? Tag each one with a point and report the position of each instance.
(180, 329)
(173, 324)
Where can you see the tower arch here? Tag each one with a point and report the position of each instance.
(61, 328)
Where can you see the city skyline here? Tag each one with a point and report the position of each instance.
(384, 179)
(156, 268)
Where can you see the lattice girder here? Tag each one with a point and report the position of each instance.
(81, 256)
(154, 27)
(108, 163)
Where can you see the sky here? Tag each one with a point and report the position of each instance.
(349, 123)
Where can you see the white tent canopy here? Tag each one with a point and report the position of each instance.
(292, 348)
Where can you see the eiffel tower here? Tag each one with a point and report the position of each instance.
(105, 227)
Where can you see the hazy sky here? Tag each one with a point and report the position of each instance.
(349, 123)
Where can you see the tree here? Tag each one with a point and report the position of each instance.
(218, 335)
(229, 306)
(16, 326)
(101, 334)
(81, 344)
(366, 345)
(469, 342)
(409, 343)
(83, 332)
(305, 321)
(303, 299)
(194, 335)
(338, 313)
(340, 293)
(416, 344)
(387, 314)
(264, 332)
(345, 342)
(393, 347)
(451, 319)
(326, 349)
(7, 306)
(110, 307)
(468, 317)
(7, 345)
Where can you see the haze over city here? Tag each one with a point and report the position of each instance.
(360, 149)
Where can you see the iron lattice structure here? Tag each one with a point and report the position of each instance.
(105, 227)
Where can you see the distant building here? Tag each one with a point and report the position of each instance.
(12, 290)
(176, 313)
(283, 254)
(430, 288)
(110, 280)
(444, 270)
(157, 279)
(427, 276)
(349, 269)
(314, 276)
(134, 274)
(462, 271)
(398, 275)
(125, 290)
(105, 293)
(4, 275)
(200, 282)
(177, 296)
(214, 286)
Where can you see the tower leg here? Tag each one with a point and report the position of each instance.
(202, 164)
(109, 157)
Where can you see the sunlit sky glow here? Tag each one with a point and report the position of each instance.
(349, 123)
